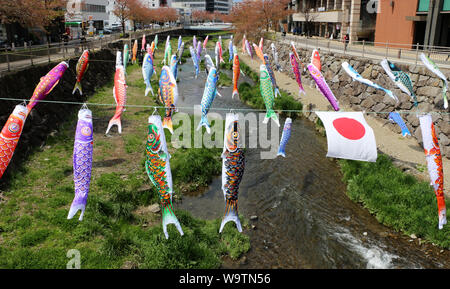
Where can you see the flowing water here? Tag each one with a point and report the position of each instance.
(304, 218)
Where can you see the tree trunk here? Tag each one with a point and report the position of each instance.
(123, 27)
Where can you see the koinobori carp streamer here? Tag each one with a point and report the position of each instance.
(167, 53)
(180, 52)
(356, 76)
(248, 47)
(209, 94)
(285, 137)
(157, 166)
(297, 73)
(323, 86)
(144, 42)
(236, 74)
(267, 94)
(395, 117)
(275, 57)
(435, 69)
(230, 50)
(126, 57)
(315, 59)
(194, 42)
(10, 135)
(195, 61)
(233, 166)
(82, 162)
(168, 93)
(174, 66)
(82, 66)
(180, 40)
(120, 96)
(205, 42)
(47, 84)
(135, 51)
(272, 75)
(258, 52)
(147, 73)
(400, 78)
(434, 161)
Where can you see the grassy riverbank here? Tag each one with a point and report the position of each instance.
(119, 229)
(396, 199)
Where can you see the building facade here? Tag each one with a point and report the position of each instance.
(186, 7)
(222, 6)
(87, 14)
(423, 22)
(334, 18)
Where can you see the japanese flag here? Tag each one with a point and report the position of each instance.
(349, 136)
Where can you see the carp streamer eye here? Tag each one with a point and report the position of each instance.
(151, 137)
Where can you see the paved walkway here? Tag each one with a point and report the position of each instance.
(377, 53)
(406, 150)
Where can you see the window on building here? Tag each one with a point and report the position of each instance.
(423, 5)
(446, 6)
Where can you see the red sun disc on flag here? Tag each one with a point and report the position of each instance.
(349, 128)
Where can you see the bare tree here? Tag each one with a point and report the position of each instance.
(123, 9)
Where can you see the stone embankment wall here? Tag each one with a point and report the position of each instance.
(359, 97)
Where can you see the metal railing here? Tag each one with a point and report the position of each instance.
(403, 53)
(31, 55)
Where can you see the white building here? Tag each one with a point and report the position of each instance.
(186, 7)
(114, 21)
(92, 14)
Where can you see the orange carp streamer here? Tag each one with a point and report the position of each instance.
(434, 160)
(10, 135)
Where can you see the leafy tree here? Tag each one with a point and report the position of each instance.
(32, 13)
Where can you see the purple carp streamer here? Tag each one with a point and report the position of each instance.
(82, 161)
(285, 137)
(323, 87)
(47, 84)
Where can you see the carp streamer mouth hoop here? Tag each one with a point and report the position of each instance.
(216, 108)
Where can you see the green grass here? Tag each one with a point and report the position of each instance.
(397, 200)
(220, 33)
(35, 232)
(224, 80)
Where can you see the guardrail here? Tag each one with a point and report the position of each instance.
(37, 54)
(406, 53)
